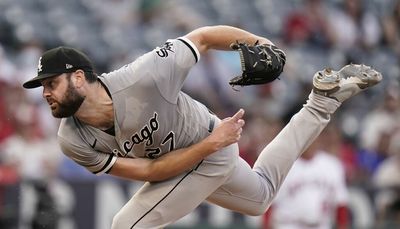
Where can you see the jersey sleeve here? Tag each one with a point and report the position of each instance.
(164, 67)
(77, 150)
(172, 64)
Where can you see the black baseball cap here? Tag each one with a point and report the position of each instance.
(57, 61)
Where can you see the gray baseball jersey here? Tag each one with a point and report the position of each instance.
(152, 115)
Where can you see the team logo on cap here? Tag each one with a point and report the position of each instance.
(40, 65)
(68, 66)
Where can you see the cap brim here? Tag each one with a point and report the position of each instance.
(35, 82)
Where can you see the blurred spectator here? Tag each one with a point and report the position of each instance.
(35, 158)
(46, 215)
(7, 74)
(336, 144)
(8, 174)
(313, 195)
(309, 25)
(377, 126)
(6, 127)
(387, 185)
(391, 28)
(355, 27)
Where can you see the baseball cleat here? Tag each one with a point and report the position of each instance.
(346, 82)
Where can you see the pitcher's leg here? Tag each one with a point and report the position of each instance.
(330, 89)
(250, 191)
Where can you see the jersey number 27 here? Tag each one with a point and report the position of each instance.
(153, 153)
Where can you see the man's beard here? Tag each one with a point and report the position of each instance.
(70, 103)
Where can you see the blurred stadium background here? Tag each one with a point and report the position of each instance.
(40, 188)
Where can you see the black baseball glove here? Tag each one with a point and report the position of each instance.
(261, 64)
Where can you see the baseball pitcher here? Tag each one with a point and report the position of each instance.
(136, 123)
